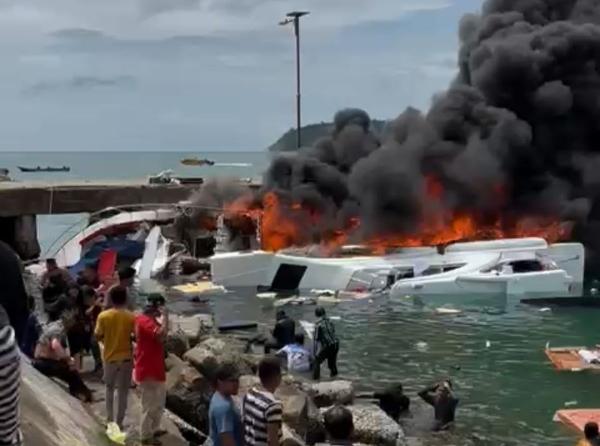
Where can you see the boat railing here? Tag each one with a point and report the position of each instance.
(72, 230)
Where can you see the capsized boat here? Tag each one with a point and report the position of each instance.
(44, 169)
(525, 267)
(197, 162)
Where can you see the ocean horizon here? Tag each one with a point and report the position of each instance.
(114, 165)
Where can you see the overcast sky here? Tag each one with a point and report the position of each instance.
(210, 74)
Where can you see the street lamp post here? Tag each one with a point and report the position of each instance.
(294, 17)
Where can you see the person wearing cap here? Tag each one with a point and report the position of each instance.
(225, 425)
(283, 333)
(151, 329)
(326, 344)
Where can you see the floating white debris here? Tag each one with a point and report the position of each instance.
(323, 292)
(545, 310)
(488, 344)
(422, 346)
(335, 318)
(571, 403)
(295, 301)
(447, 311)
(266, 295)
(308, 327)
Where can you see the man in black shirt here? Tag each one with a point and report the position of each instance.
(444, 403)
(283, 334)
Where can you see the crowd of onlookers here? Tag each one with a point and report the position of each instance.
(92, 316)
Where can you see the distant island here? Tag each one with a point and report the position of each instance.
(312, 133)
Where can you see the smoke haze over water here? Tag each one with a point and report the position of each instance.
(516, 134)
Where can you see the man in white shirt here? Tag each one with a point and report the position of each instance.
(299, 359)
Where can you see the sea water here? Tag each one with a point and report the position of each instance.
(508, 390)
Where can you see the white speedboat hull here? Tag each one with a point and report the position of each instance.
(474, 269)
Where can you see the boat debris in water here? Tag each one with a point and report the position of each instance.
(574, 359)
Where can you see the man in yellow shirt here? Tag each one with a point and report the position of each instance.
(114, 329)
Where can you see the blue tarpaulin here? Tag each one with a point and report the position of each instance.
(126, 250)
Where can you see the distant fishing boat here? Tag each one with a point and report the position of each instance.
(197, 162)
(44, 169)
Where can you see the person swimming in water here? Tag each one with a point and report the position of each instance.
(444, 402)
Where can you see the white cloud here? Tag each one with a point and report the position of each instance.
(164, 18)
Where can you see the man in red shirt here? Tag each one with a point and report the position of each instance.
(151, 328)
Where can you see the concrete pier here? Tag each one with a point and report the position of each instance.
(21, 202)
(41, 198)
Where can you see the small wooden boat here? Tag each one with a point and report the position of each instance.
(197, 162)
(45, 169)
(569, 359)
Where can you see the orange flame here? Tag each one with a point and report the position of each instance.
(284, 224)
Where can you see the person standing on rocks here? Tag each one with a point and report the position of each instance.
(150, 334)
(126, 279)
(225, 425)
(326, 344)
(115, 328)
(444, 402)
(262, 412)
(52, 269)
(283, 333)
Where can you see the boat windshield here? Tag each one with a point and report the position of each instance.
(523, 266)
(370, 280)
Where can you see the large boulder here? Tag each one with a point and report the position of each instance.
(177, 343)
(210, 353)
(174, 367)
(373, 426)
(194, 327)
(328, 393)
(300, 413)
(190, 399)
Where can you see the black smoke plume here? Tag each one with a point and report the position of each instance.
(522, 116)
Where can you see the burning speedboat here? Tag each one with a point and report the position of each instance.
(525, 267)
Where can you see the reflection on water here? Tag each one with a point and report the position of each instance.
(508, 390)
